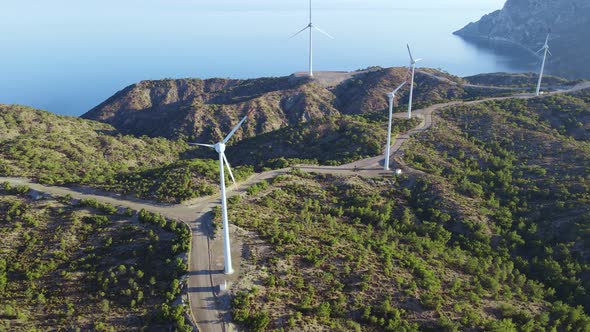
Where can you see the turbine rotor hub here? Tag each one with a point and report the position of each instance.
(220, 147)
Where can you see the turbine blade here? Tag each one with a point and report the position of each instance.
(300, 31)
(237, 127)
(205, 145)
(410, 53)
(231, 174)
(549, 52)
(419, 59)
(399, 87)
(324, 32)
(542, 48)
(408, 73)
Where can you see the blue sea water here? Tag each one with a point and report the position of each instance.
(67, 56)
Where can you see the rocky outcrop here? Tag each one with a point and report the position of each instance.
(527, 22)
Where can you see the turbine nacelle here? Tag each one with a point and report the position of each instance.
(413, 69)
(545, 48)
(311, 27)
(412, 60)
(220, 147)
(391, 94)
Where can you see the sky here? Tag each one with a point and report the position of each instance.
(28, 11)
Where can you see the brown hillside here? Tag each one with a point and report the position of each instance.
(204, 110)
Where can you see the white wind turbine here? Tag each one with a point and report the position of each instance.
(220, 148)
(391, 96)
(413, 64)
(311, 26)
(546, 49)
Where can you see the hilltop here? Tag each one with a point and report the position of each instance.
(526, 22)
(202, 110)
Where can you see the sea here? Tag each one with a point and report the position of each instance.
(68, 56)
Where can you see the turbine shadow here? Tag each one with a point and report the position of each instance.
(201, 289)
(205, 272)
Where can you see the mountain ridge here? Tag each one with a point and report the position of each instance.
(201, 110)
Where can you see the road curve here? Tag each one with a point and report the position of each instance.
(209, 307)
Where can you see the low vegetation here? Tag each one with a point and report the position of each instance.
(332, 141)
(86, 265)
(489, 234)
(522, 168)
(59, 150)
(175, 183)
(374, 255)
(517, 80)
(491, 237)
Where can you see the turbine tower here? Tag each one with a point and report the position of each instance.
(546, 49)
(413, 65)
(391, 96)
(311, 27)
(220, 148)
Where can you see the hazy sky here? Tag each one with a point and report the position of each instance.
(26, 9)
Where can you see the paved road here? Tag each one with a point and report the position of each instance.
(210, 308)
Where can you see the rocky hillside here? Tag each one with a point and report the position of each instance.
(204, 110)
(526, 23)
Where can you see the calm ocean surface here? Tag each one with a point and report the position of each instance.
(67, 56)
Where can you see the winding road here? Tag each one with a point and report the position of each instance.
(209, 306)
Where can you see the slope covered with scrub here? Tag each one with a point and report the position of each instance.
(59, 149)
(67, 265)
(492, 235)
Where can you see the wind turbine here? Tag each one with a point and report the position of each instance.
(220, 148)
(413, 64)
(311, 26)
(546, 48)
(391, 96)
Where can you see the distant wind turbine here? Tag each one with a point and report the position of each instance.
(311, 26)
(391, 96)
(546, 49)
(220, 148)
(413, 64)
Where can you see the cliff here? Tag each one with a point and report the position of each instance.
(527, 22)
